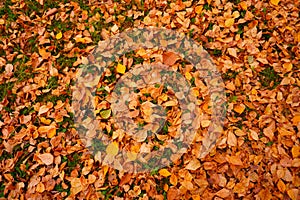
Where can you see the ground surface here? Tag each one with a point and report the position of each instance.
(254, 45)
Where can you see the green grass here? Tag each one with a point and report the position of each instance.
(269, 78)
(5, 89)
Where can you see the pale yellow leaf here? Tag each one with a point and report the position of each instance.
(112, 149)
(46, 158)
(232, 52)
(193, 164)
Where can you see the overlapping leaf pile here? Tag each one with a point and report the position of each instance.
(255, 45)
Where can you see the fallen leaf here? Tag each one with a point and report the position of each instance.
(223, 193)
(173, 179)
(170, 58)
(295, 151)
(164, 173)
(231, 139)
(105, 114)
(59, 35)
(205, 123)
(288, 67)
(121, 68)
(239, 108)
(51, 133)
(293, 194)
(45, 55)
(296, 119)
(46, 158)
(229, 22)
(274, 2)
(40, 187)
(232, 52)
(235, 160)
(112, 149)
(193, 164)
(281, 186)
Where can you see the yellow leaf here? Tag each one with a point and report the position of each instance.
(232, 52)
(274, 2)
(58, 36)
(198, 9)
(131, 156)
(188, 75)
(195, 92)
(121, 68)
(45, 121)
(229, 22)
(205, 123)
(164, 172)
(112, 149)
(105, 114)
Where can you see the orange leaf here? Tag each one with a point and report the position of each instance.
(231, 139)
(164, 172)
(235, 160)
(170, 58)
(281, 186)
(223, 193)
(296, 119)
(45, 55)
(296, 151)
(173, 180)
(239, 108)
